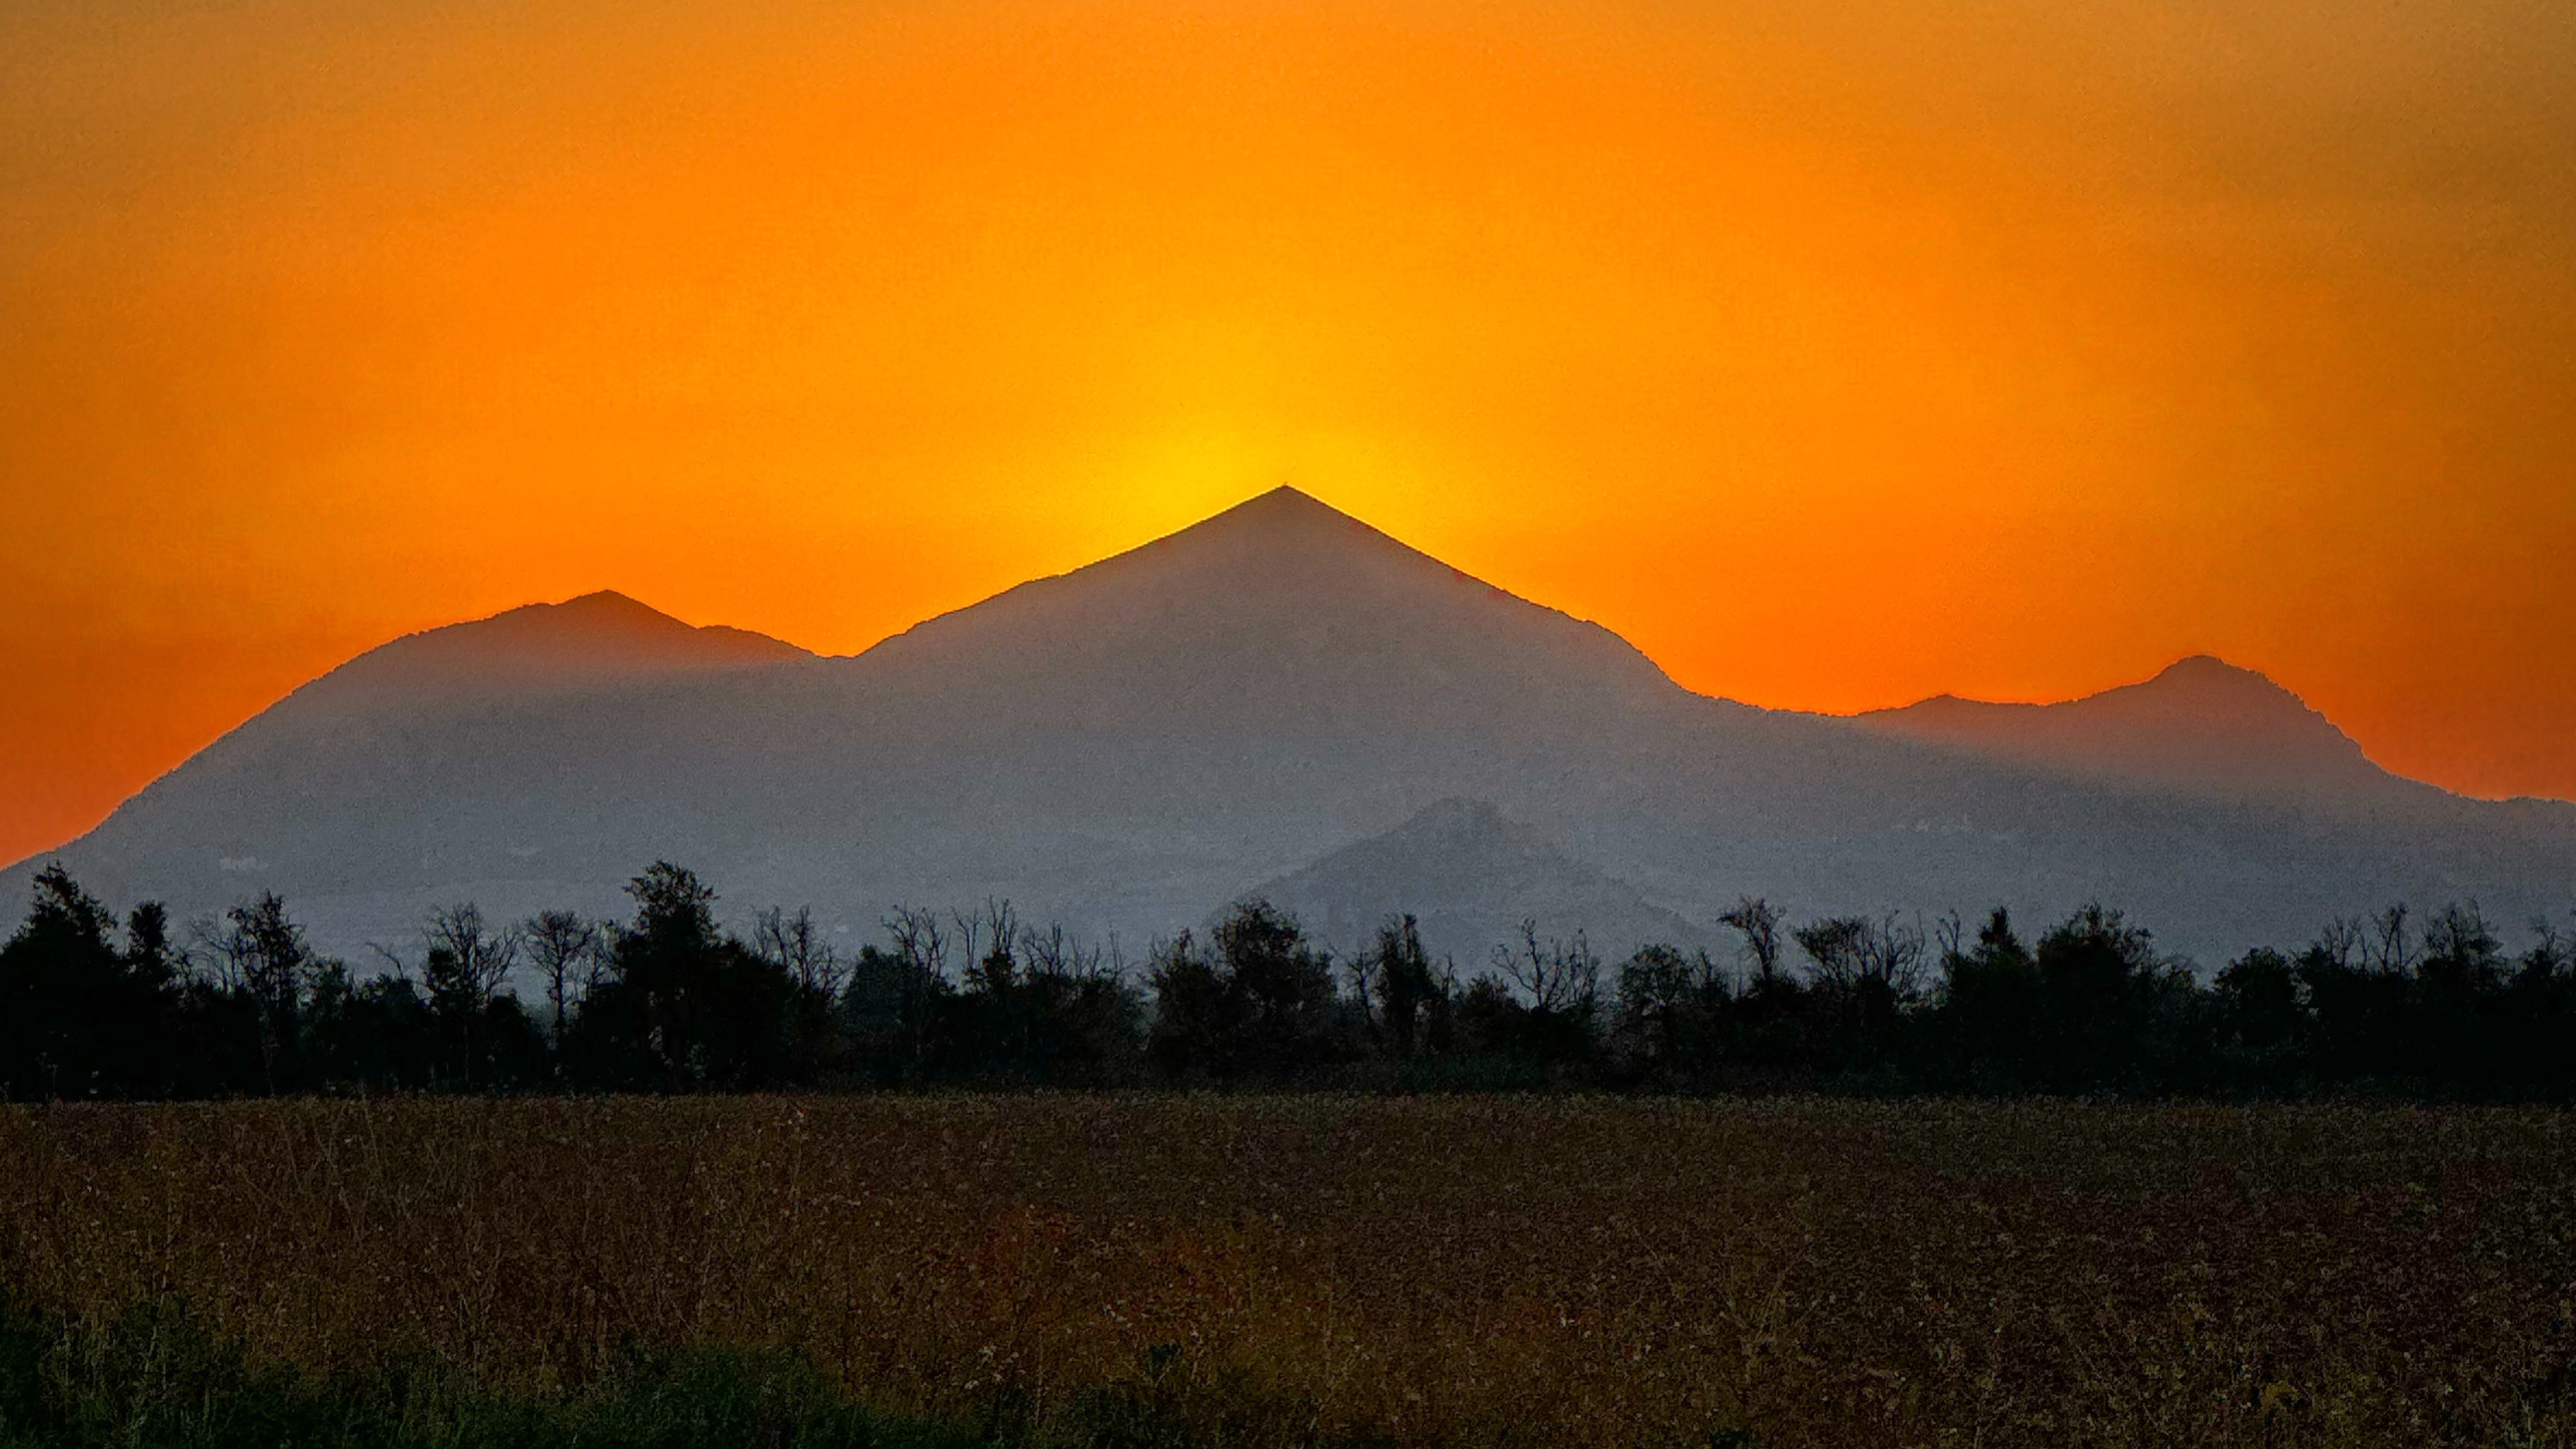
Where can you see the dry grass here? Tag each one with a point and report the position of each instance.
(1552, 1270)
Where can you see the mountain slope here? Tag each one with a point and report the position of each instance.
(1130, 745)
(2201, 724)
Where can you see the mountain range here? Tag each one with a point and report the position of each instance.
(1278, 700)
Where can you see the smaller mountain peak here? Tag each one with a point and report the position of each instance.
(606, 601)
(2208, 666)
(599, 614)
(1475, 875)
(1454, 815)
(2199, 722)
(585, 640)
(2207, 681)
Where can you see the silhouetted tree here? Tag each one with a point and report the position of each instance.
(2431, 1005)
(1036, 1006)
(684, 1007)
(2538, 1016)
(2459, 979)
(2356, 983)
(1862, 964)
(260, 952)
(2262, 1021)
(463, 970)
(1989, 1009)
(1758, 924)
(797, 946)
(1551, 1014)
(80, 1013)
(896, 999)
(380, 1033)
(2103, 988)
(1405, 991)
(815, 973)
(1673, 1010)
(563, 947)
(1255, 1002)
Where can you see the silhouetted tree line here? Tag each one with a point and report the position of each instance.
(668, 1001)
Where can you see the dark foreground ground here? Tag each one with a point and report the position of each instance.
(1285, 1270)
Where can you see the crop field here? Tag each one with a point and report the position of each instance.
(1278, 1270)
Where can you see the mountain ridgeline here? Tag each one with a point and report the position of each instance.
(1286, 701)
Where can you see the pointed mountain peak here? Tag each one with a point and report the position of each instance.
(2202, 664)
(1457, 819)
(600, 614)
(1286, 498)
(1279, 583)
(1285, 501)
(1288, 510)
(1472, 874)
(2207, 672)
(590, 639)
(2215, 692)
(601, 603)
(1284, 521)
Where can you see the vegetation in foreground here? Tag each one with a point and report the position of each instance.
(154, 1376)
(669, 1002)
(1250, 1270)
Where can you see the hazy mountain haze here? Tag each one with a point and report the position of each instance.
(1278, 697)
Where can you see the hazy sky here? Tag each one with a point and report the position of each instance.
(1835, 353)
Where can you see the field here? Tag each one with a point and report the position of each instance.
(1535, 1270)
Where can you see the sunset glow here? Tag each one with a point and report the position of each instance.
(1835, 354)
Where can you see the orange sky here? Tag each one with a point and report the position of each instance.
(1836, 353)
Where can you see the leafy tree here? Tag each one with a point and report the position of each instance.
(684, 1007)
(897, 1003)
(1409, 997)
(1255, 1002)
(1673, 1010)
(2431, 1005)
(1989, 1007)
(2538, 1011)
(1038, 1007)
(2104, 989)
(2262, 1020)
(2458, 982)
(380, 1033)
(80, 1013)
